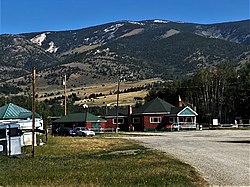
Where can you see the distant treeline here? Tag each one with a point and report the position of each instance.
(220, 92)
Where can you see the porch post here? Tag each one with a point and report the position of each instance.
(178, 128)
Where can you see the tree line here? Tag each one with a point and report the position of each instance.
(220, 92)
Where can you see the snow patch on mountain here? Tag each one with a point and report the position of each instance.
(86, 39)
(113, 28)
(136, 23)
(39, 39)
(52, 48)
(161, 21)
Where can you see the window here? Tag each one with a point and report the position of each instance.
(181, 119)
(136, 120)
(2, 133)
(188, 119)
(171, 120)
(155, 119)
(13, 132)
(120, 121)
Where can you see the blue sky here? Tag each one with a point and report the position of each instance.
(20, 16)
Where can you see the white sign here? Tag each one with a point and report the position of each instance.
(215, 122)
(1, 148)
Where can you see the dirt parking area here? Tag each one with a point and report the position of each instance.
(221, 156)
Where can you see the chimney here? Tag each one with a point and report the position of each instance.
(130, 110)
(106, 109)
(180, 102)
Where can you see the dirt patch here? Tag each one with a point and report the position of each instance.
(171, 32)
(81, 49)
(125, 152)
(133, 32)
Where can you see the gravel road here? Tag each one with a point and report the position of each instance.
(221, 156)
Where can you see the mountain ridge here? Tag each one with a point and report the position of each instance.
(133, 49)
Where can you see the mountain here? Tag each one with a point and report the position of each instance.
(19, 55)
(133, 49)
(238, 32)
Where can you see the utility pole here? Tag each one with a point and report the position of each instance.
(65, 95)
(117, 102)
(33, 112)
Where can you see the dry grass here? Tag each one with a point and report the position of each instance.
(133, 32)
(68, 161)
(74, 145)
(105, 88)
(81, 49)
(124, 99)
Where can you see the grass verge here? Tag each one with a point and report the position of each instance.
(68, 161)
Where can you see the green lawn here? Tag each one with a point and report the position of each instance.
(68, 161)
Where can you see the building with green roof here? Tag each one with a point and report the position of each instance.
(12, 111)
(84, 119)
(122, 115)
(158, 114)
(156, 106)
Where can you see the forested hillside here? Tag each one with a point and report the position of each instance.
(220, 92)
(133, 49)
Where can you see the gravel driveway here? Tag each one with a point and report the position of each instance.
(221, 156)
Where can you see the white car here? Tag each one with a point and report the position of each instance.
(82, 131)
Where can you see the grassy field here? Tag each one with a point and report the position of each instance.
(100, 161)
(124, 99)
(105, 89)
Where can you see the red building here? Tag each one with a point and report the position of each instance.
(84, 119)
(159, 114)
(122, 116)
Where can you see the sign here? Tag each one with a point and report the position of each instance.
(215, 122)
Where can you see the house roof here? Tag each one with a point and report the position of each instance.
(79, 117)
(155, 106)
(12, 111)
(187, 111)
(175, 110)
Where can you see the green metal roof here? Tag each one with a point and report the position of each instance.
(12, 111)
(25, 115)
(79, 117)
(155, 106)
(175, 110)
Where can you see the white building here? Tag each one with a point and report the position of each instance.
(11, 113)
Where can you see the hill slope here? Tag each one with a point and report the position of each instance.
(135, 50)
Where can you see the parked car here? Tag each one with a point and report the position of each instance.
(62, 131)
(81, 131)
